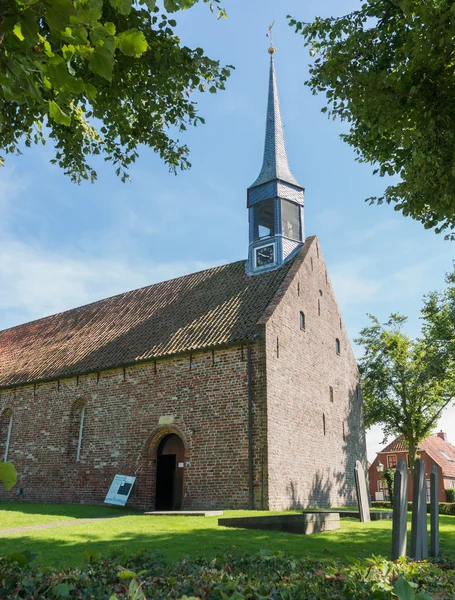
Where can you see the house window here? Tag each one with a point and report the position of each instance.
(302, 320)
(331, 394)
(77, 421)
(264, 219)
(451, 483)
(384, 489)
(391, 461)
(337, 346)
(428, 490)
(81, 431)
(446, 456)
(6, 428)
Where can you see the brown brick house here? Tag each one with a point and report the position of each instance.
(434, 450)
(234, 387)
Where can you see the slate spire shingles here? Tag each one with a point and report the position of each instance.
(275, 162)
(217, 306)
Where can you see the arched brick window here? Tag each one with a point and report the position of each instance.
(77, 419)
(6, 427)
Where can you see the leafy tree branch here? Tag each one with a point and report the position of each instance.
(100, 77)
(407, 382)
(388, 70)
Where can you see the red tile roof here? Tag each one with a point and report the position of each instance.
(398, 445)
(214, 307)
(433, 446)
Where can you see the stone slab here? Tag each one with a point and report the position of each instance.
(306, 523)
(362, 492)
(400, 510)
(419, 532)
(434, 512)
(184, 513)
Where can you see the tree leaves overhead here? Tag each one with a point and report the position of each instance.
(8, 475)
(388, 69)
(104, 76)
(407, 383)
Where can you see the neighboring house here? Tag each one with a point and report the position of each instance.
(434, 450)
(235, 387)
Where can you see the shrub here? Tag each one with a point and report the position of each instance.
(388, 478)
(381, 504)
(145, 575)
(450, 494)
(445, 508)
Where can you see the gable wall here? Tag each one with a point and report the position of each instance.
(306, 467)
(209, 403)
(374, 476)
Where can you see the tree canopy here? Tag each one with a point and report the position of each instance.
(103, 76)
(407, 383)
(388, 69)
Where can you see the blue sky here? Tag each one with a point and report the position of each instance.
(63, 245)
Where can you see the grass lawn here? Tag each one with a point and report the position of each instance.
(179, 536)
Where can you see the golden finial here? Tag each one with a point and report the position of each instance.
(272, 48)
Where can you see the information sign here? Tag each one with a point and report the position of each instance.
(120, 490)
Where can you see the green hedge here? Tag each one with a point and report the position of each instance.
(381, 504)
(450, 494)
(145, 575)
(445, 508)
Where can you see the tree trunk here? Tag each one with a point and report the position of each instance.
(412, 454)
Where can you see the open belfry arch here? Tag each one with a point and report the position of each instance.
(234, 387)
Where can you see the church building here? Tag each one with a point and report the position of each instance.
(232, 388)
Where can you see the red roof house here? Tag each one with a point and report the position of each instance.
(434, 450)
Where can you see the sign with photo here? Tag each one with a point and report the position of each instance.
(120, 490)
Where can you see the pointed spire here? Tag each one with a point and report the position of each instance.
(275, 163)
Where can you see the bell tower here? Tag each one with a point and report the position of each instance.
(275, 199)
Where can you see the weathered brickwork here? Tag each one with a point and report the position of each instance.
(273, 423)
(313, 442)
(207, 396)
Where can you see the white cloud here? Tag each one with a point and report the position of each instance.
(351, 284)
(35, 282)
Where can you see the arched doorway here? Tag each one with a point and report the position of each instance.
(169, 473)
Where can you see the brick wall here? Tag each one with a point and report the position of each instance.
(313, 442)
(207, 396)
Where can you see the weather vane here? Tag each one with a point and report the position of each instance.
(272, 48)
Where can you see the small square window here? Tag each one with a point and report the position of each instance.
(391, 461)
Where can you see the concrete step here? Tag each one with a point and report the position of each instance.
(184, 513)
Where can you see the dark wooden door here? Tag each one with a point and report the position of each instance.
(165, 482)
